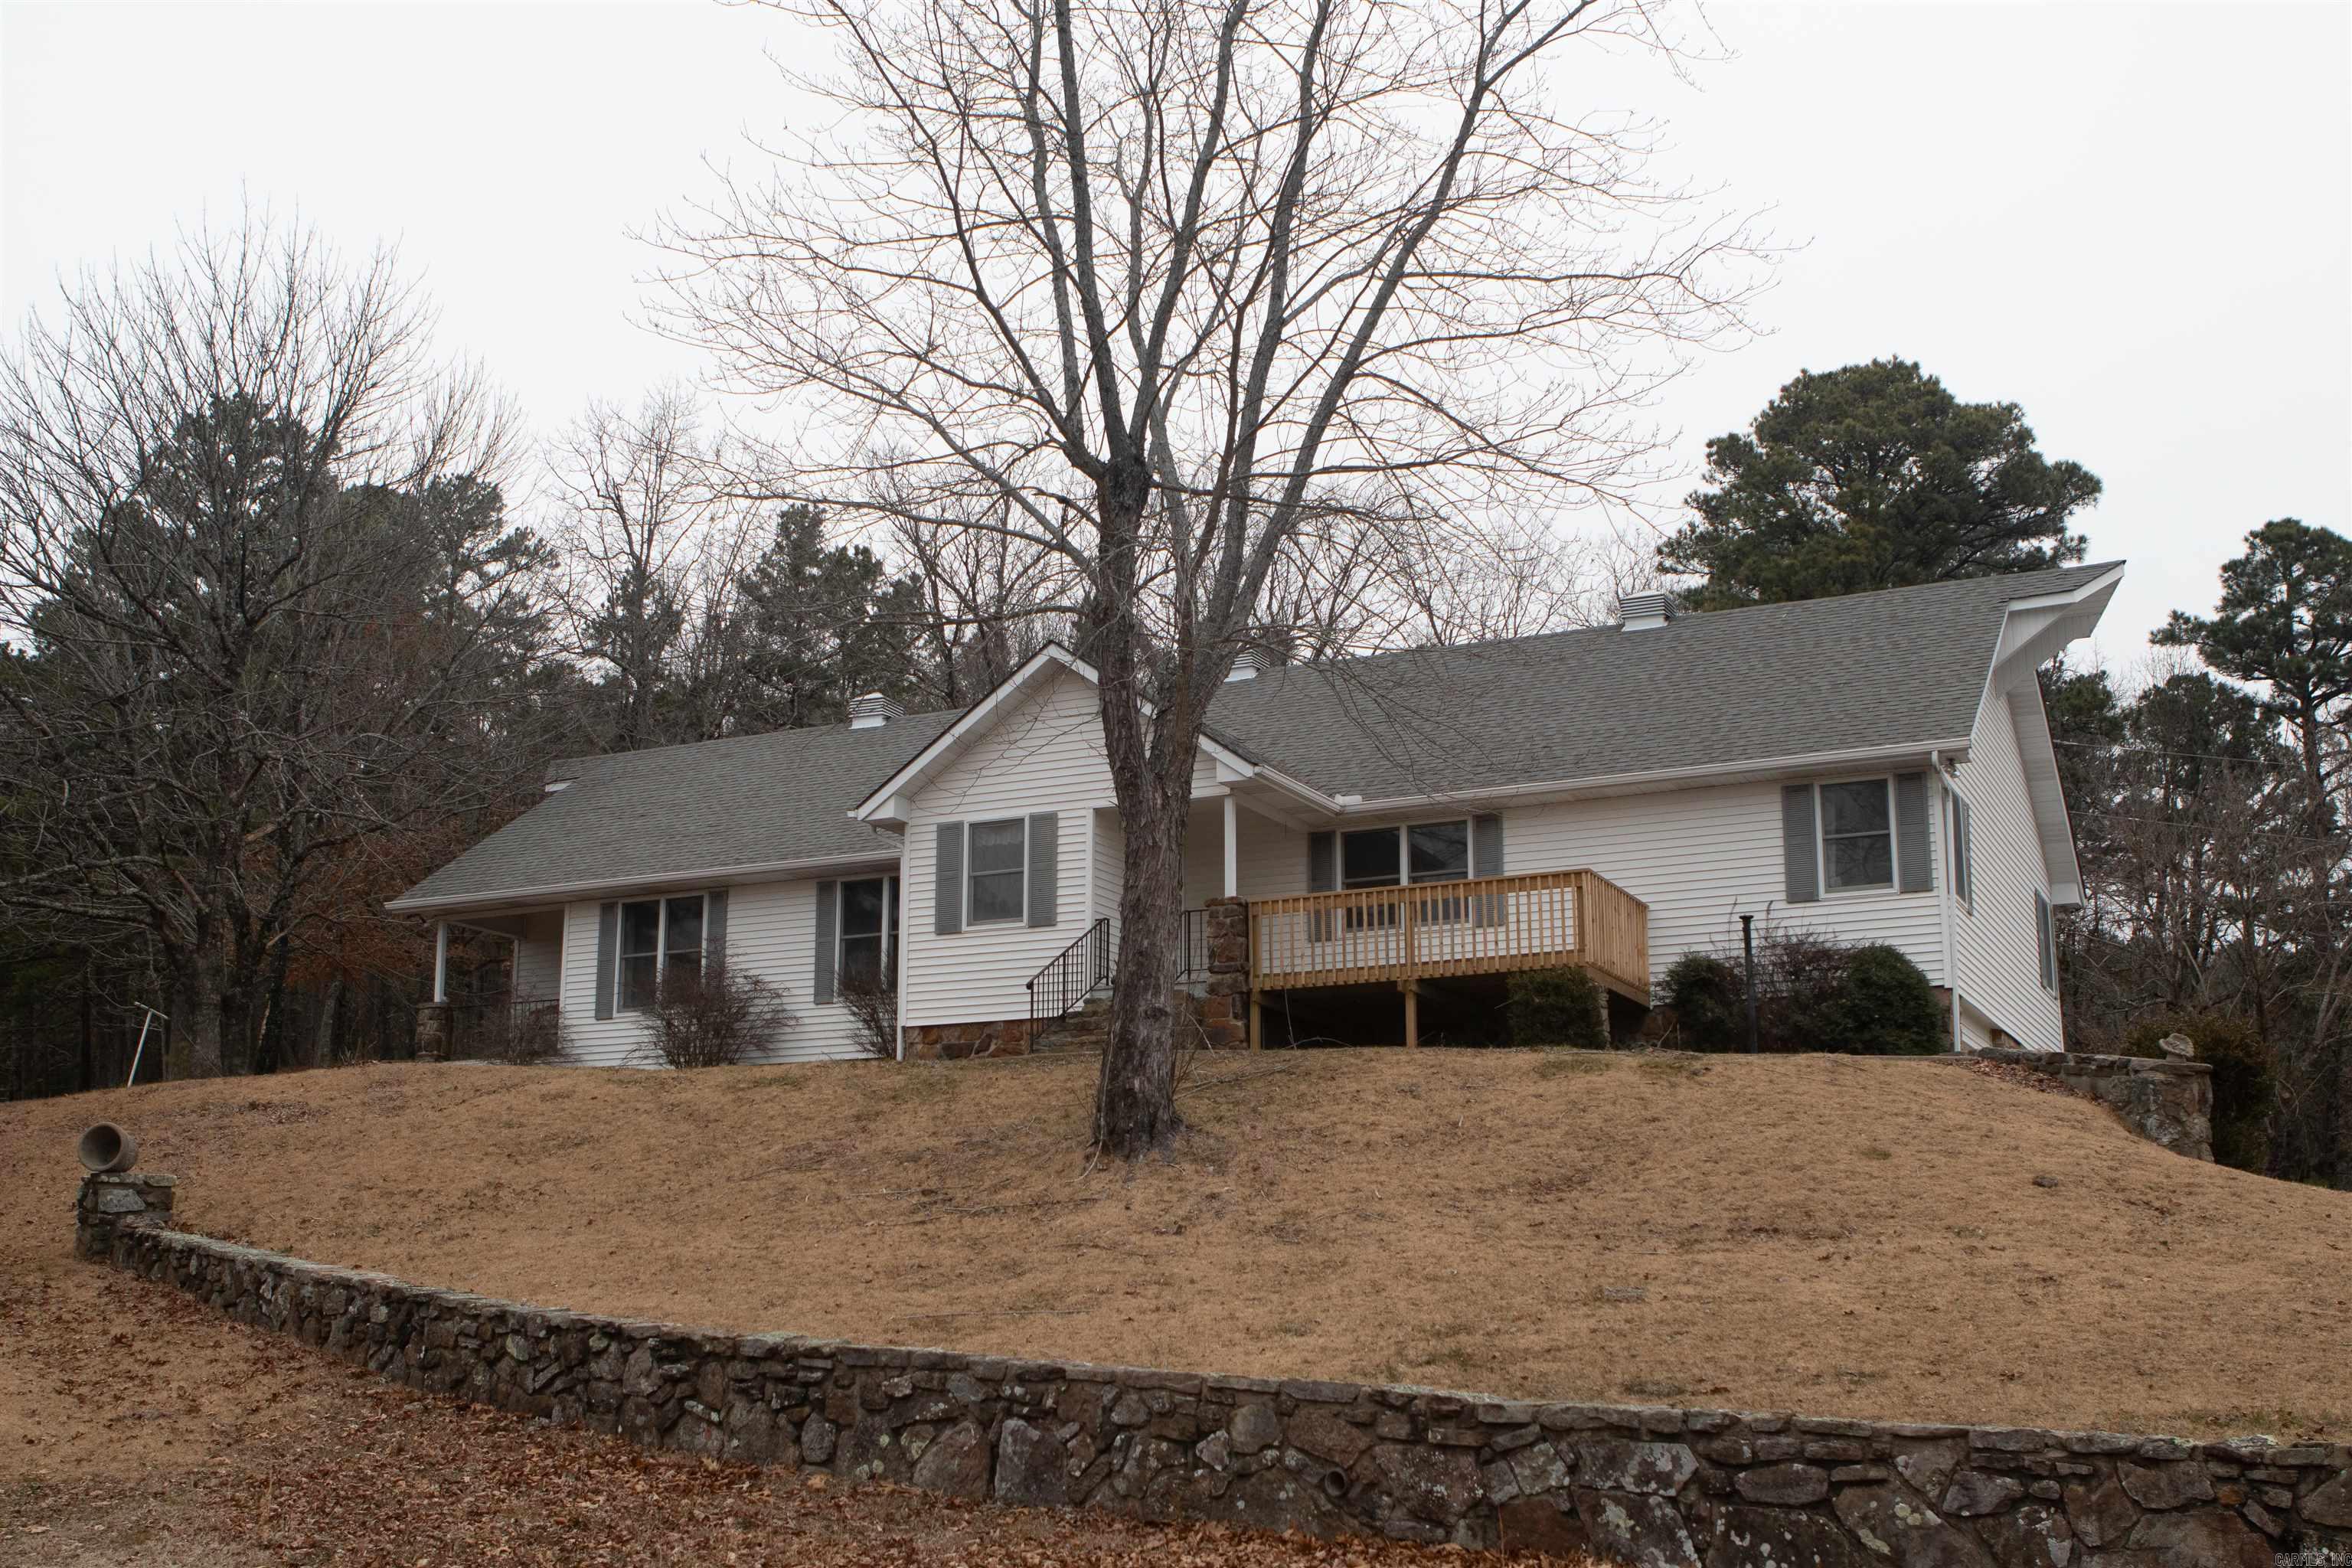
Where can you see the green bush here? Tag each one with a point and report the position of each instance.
(1709, 1002)
(1556, 1007)
(2244, 1083)
(1885, 1006)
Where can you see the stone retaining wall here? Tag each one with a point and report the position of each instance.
(2163, 1101)
(1661, 1488)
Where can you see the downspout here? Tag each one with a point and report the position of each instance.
(1944, 889)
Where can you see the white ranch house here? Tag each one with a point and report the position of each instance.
(1876, 767)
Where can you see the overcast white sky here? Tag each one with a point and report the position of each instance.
(2135, 220)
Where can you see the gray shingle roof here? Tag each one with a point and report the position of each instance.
(750, 800)
(1902, 668)
(1906, 666)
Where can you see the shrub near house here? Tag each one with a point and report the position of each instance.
(1812, 996)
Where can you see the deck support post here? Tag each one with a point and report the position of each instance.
(1412, 989)
(1256, 1033)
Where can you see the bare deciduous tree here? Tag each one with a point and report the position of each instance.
(259, 597)
(1155, 285)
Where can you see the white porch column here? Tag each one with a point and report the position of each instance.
(1232, 849)
(440, 961)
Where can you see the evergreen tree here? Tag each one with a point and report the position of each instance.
(1874, 475)
(2285, 620)
(825, 625)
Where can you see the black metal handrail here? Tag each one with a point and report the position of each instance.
(1091, 963)
(1072, 975)
(1196, 946)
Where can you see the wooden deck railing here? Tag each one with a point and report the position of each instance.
(1487, 925)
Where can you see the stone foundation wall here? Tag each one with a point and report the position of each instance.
(1660, 1488)
(2163, 1101)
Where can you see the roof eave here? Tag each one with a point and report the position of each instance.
(705, 877)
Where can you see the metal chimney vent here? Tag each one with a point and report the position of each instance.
(1246, 664)
(1643, 612)
(873, 710)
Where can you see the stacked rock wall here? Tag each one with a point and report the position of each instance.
(1660, 1488)
(2165, 1101)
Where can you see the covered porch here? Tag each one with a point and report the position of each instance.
(498, 998)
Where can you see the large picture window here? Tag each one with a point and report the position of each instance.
(1412, 854)
(869, 933)
(1857, 835)
(996, 870)
(658, 936)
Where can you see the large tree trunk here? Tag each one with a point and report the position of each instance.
(1135, 1102)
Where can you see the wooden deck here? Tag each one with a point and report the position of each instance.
(1487, 925)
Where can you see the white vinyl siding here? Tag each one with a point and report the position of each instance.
(1701, 858)
(1043, 754)
(1109, 871)
(1995, 948)
(539, 957)
(770, 932)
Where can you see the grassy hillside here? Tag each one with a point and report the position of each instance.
(1834, 1235)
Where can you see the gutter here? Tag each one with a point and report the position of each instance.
(1762, 767)
(560, 892)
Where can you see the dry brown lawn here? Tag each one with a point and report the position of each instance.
(1837, 1236)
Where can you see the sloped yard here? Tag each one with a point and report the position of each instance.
(1838, 1236)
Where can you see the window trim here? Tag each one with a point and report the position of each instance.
(1021, 866)
(621, 955)
(890, 933)
(1893, 883)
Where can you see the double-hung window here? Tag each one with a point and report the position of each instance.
(660, 939)
(1857, 835)
(996, 870)
(869, 933)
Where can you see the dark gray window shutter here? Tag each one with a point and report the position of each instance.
(828, 906)
(1915, 869)
(608, 951)
(947, 881)
(1044, 866)
(1487, 860)
(1799, 855)
(714, 929)
(2046, 941)
(1322, 877)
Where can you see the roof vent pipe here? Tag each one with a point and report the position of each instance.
(872, 710)
(1643, 612)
